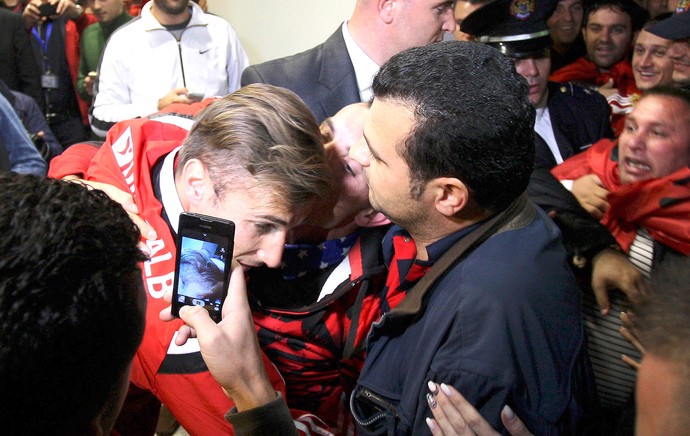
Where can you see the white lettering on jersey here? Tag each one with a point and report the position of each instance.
(124, 155)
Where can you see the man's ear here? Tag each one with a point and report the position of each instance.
(370, 218)
(196, 182)
(450, 195)
(386, 10)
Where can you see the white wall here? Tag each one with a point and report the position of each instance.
(271, 29)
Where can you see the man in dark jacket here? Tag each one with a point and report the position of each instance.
(17, 65)
(339, 72)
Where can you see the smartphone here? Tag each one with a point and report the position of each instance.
(195, 96)
(203, 263)
(47, 9)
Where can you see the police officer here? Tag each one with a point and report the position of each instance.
(569, 117)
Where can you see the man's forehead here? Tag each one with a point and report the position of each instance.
(622, 16)
(570, 2)
(664, 110)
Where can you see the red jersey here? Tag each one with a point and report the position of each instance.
(176, 375)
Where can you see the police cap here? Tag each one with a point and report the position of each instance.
(675, 27)
(516, 27)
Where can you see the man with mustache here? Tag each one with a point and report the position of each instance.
(172, 50)
(641, 194)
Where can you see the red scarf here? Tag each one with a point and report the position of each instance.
(662, 205)
(403, 271)
(584, 70)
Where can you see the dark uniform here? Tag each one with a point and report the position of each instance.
(579, 116)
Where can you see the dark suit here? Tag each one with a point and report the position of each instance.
(18, 68)
(579, 118)
(323, 76)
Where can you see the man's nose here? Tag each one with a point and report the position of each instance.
(449, 23)
(271, 250)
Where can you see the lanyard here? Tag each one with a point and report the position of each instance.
(43, 42)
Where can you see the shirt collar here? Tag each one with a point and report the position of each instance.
(365, 68)
(170, 198)
(434, 250)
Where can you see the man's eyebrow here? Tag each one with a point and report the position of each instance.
(274, 219)
(371, 150)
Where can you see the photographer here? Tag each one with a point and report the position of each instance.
(55, 27)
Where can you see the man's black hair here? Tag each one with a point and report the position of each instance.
(473, 118)
(638, 15)
(71, 303)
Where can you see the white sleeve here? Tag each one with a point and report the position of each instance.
(112, 101)
(237, 60)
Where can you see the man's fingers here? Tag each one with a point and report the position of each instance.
(596, 213)
(637, 287)
(601, 294)
(607, 85)
(236, 301)
(628, 333)
(598, 206)
(183, 334)
(196, 318)
(630, 361)
(166, 314)
(145, 228)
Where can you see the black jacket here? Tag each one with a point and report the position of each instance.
(322, 76)
(18, 68)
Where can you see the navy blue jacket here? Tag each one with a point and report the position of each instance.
(580, 117)
(503, 326)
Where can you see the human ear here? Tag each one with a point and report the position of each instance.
(450, 195)
(196, 182)
(386, 10)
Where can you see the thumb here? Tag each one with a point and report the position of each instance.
(197, 318)
(180, 91)
(236, 301)
(608, 84)
(597, 180)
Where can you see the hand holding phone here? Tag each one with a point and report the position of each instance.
(47, 9)
(203, 263)
(195, 96)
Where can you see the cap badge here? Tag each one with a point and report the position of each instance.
(523, 9)
(682, 6)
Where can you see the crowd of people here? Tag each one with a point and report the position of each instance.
(431, 237)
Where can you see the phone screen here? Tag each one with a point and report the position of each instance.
(203, 263)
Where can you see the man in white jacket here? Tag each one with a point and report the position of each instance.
(172, 53)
